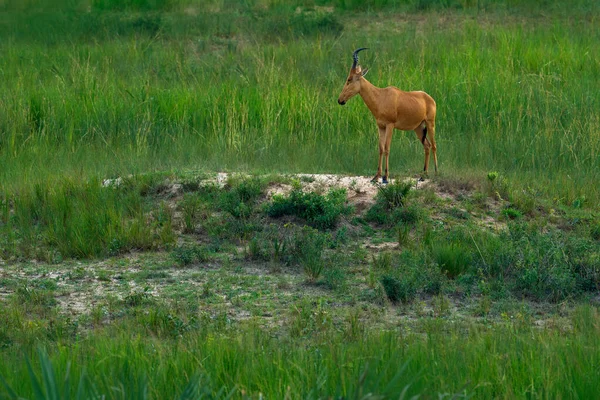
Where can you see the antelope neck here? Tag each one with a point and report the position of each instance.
(370, 95)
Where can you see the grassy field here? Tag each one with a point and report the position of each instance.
(130, 269)
(236, 87)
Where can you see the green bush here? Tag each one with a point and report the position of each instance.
(85, 219)
(408, 215)
(309, 245)
(399, 289)
(334, 277)
(190, 208)
(511, 213)
(452, 258)
(288, 24)
(595, 231)
(186, 255)
(241, 197)
(394, 194)
(322, 212)
(551, 265)
(389, 205)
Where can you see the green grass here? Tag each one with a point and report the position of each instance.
(159, 283)
(516, 93)
(503, 362)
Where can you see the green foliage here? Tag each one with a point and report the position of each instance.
(241, 197)
(552, 265)
(453, 258)
(301, 23)
(382, 262)
(84, 220)
(394, 194)
(389, 207)
(309, 245)
(190, 207)
(309, 317)
(322, 212)
(408, 215)
(335, 277)
(99, 111)
(244, 360)
(595, 231)
(399, 289)
(378, 213)
(186, 255)
(133, 4)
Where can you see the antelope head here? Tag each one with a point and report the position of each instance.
(352, 85)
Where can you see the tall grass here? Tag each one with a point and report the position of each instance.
(504, 362)
(81, 220)
(155, 91)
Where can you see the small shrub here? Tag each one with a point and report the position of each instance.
(249, 190)
(549, 284)
(398, 289)
(378, 214)
(186, 255)
(403, 234)
(408, 215)
(525, 201)
(452, 258)
(309, 317)
(441, 305)
(595, 231)
(354, 326)
(35, 296)
(432, 280)
(335, 277)
(190, 207)
(458, 213)
(137, 297)
(256, 251)
(382, 262)
(183, 255)
(322, 212)
(239, 200)
(492, 176)
(394, 194)
(309, 245)
(389, 206)
(511, 213)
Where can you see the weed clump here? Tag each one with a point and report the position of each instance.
(186, 255)
(389, 205)
(595, 231)
(399, 289)
(240, 199)
(309, 245)
(453, 259)
(85, 219)
(322, 212)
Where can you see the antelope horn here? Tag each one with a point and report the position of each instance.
(355, 56)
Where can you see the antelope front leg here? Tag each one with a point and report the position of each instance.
(386, 152)
(381, 150)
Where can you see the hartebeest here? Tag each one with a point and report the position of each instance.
(393, 108)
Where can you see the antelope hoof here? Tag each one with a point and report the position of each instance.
(375, 179)
(384, 181)
(421, 179)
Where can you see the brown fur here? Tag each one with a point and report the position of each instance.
(394, 109)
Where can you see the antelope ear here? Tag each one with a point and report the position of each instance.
(363, 73)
